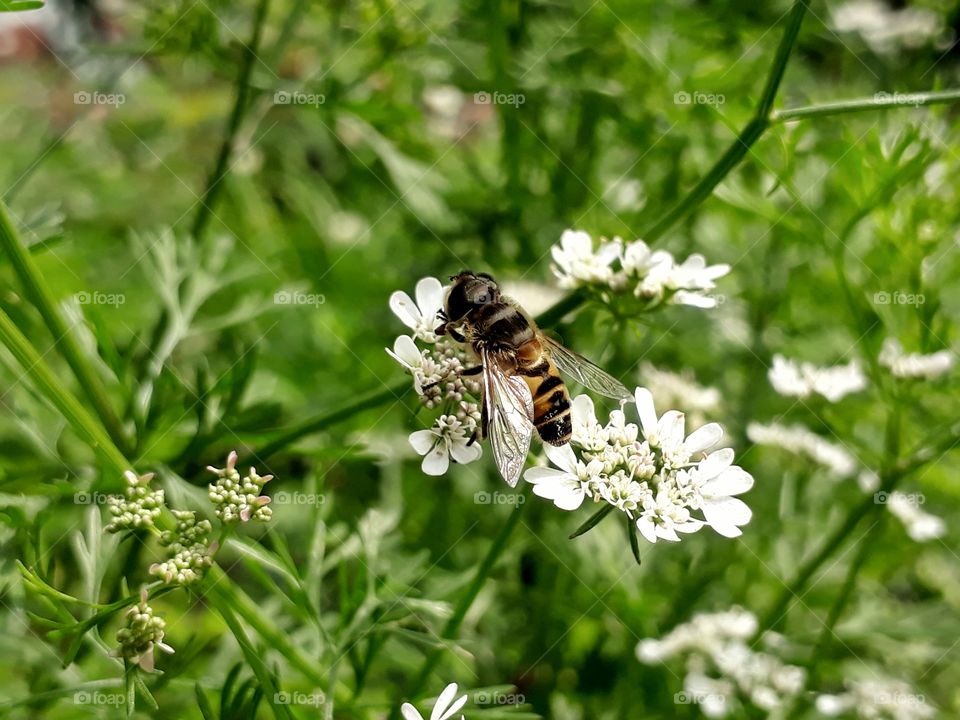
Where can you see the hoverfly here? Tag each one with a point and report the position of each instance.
(520, 366)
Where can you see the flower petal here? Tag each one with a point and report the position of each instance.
(671, 429)
(406, 352)
(646, 527)
(409, 712)
(715, 463)
(646, 411)
(437, 460)
(563, 457)
(429, 294)
(732, 481)
(537, 475)
(405, 309)
(704, 438)
(446, 697)
(724, 515)
(667, 533)
(463, 453)
(422, 441)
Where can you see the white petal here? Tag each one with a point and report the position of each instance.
(437, 460)
(582, 410)
(732, 481)
(409, 712)
(693, 299)
(689, 526)
(422, 441)
(670, 429)
(446, 697)
(569, 499)
(646, 527)
(725, 514)
(667, 533)
(646, 410)
(537, 475)
(715, 463)
(563, 457)
(704, 438)
(406, 352)
(429, 294)
(463, 453)
(405, 309)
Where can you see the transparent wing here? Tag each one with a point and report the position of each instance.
(509, 414)
(584, 371)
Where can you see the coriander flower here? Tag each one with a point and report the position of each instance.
(235, 498)
(876, 699)
(665, 481)
(915, 365)
(920, 526)
(723, 665)
(191, 551)
(576, 262)
(142, 634)
(800, 440)
(421, 317)
(444, 708)
(450, 437)
(138, 507)
(793, 380)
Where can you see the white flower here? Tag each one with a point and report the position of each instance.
(567, 486)
(887, 30)
(576, 262)
(668, 432)
(789, 378)
(406, 352)
(920, 526)
(883, 698)
(915, 365)
(421, 316)
(798, 439)
(449, 437)
(719, 480)
(445, 707)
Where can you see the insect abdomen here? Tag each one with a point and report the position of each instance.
(551, 402)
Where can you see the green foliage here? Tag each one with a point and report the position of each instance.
(205, 211)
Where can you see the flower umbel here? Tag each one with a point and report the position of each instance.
(665, 481)
(138, 507)
(191, 551)
(235, 498)
(142, 633)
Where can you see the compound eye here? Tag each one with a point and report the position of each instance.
(482, 299)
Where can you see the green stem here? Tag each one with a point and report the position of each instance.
(212, 191)
(41, 296)
(747, 137)
(466, 601)
(880, 101)
(76, 414)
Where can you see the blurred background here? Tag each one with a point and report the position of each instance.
(222, 197)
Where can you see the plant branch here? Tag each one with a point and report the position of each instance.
(880, 101)
(42, 298)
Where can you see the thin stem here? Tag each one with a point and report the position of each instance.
(466, 601)
(212, 191)
(64, 340)
(76, 414)
(880, 101)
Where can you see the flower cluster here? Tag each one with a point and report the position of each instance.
(876, 700)
(915, 365)
(190, 548)
(655, 473)
(722, 664)
(437, 373)
(138, 507)
(920, 526)
(798, 439)
(235, 498)
(654, 276)
(804, 379)
(142, 633)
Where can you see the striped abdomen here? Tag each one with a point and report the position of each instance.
(503, 327)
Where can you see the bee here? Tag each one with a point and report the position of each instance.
(520, 367)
